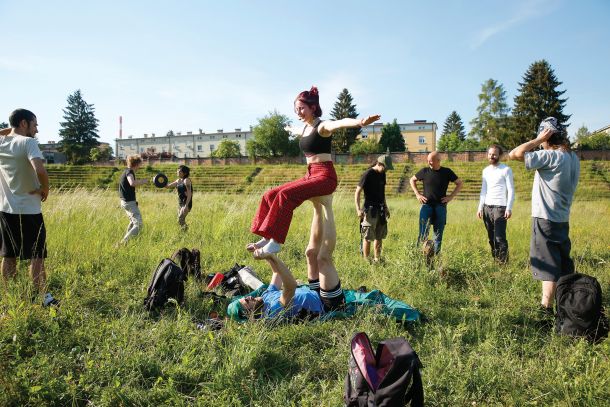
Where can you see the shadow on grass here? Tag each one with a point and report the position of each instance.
(453, 277)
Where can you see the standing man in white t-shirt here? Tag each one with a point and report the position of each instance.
(24, 184)
(496, 202)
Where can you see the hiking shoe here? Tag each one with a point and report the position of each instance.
(49, 300)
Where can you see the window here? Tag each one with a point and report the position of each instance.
(199, 148)
(211, 137)
(422, 139)
(199, 138)
(211, 147)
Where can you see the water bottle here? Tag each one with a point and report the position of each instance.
(249, 278)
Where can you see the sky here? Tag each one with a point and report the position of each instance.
(210, 64)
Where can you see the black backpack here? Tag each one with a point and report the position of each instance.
(232, 285)
(189, 261)
(389, 377)
(167, 282)
(579, 308)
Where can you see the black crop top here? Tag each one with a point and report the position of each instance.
(315, 143)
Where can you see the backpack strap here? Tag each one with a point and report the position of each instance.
(416, 390)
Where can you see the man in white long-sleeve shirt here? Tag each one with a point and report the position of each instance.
(496, 202)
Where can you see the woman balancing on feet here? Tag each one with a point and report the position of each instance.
(273, 217)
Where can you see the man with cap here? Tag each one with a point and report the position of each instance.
(434, 200)
(282, 299)
(373, 216)
(557, 171)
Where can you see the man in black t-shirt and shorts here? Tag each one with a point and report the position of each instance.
(434, 200)
(375, 212)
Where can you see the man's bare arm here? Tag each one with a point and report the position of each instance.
(43, 178)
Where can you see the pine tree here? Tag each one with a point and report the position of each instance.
(453, 124)
(344, 108)
(490, 126)
(79, 131)
(538, 99)
(3, 125)
(391, 138)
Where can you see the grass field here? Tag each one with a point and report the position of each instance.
(479, 347)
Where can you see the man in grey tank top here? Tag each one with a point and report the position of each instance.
(557, 171)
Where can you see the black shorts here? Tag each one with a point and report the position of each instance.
(550, 250)
(22, 236)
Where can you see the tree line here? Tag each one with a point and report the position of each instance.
(538, 97)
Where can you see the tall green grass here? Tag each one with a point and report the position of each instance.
(480, 345)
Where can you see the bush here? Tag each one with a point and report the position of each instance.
(368, 146)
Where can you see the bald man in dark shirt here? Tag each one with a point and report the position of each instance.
(434, 200)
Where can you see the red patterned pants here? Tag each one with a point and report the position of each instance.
(273, 217)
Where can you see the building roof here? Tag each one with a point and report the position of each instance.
(602, 130)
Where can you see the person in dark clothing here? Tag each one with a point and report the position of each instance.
(184, 187)
(373, 217)
(127, 192)
(434, 200)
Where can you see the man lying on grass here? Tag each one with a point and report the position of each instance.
(283, 299)
(289, 302)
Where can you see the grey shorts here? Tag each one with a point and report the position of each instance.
(550, 250)
(374, 228)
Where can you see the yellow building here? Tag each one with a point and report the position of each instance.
(420, 136)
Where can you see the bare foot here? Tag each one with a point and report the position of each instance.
(253, 246)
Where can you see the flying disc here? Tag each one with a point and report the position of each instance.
(160, 180)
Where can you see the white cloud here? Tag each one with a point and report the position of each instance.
(528, 10)
(21, 64)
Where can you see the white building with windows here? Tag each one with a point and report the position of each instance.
(189, 145)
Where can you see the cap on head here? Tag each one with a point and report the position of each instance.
(386, 160)
(235, 310)
(559, 136)
(549, 123)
